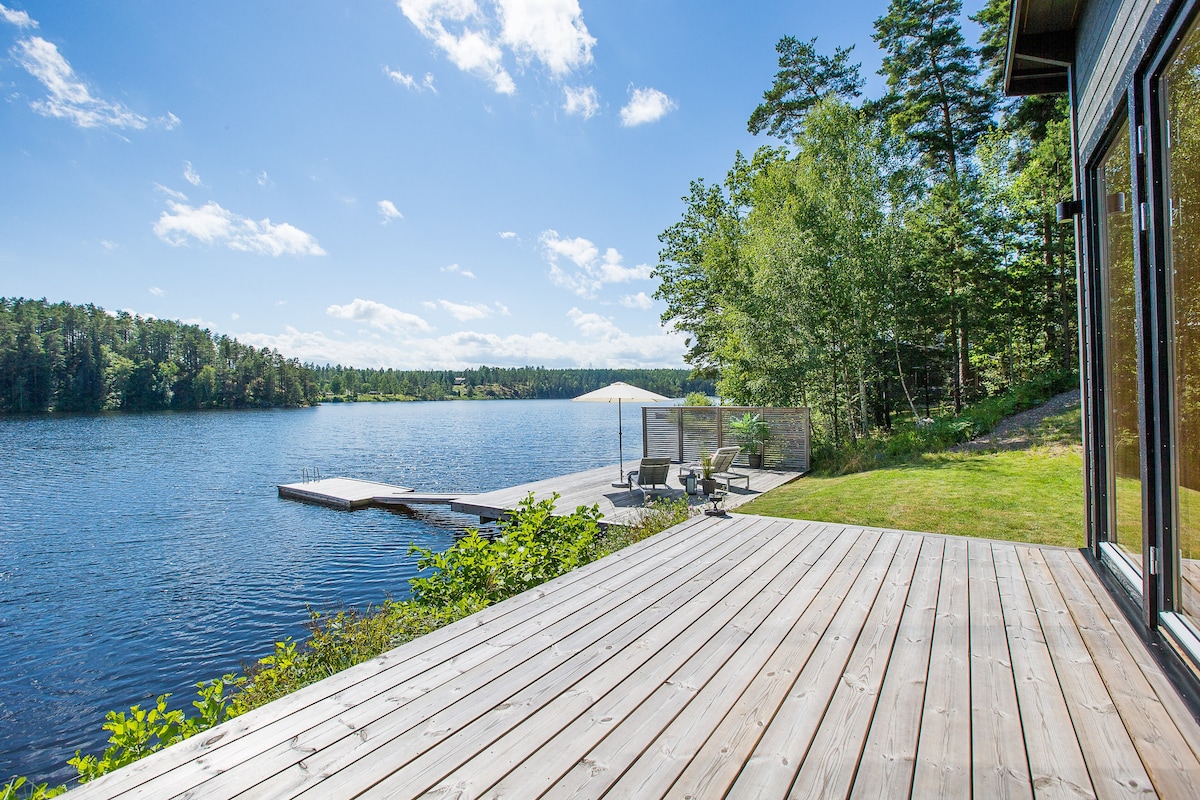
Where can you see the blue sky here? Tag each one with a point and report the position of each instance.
(412, 184)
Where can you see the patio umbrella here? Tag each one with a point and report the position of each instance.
(617, 392)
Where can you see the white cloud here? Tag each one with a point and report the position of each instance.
(475, 38)
(640, 300)
(170, 122)
(378, 315)
(410, 82)
(190, 175)
(592, 270)
(389, 212)
(157, 292)
(465, 311)
(646, 105)
(263, 179)
(19, 18)
(212, 224)
(69, 97)
(598, 343)
(549, 31)
(109, 246)
(503, 309)
(455, 269)
(169, 192)
(235, 316)
(469, 46)
(583, 101)
(579, 250)
(508, 234)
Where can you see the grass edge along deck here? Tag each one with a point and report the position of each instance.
(745, 655)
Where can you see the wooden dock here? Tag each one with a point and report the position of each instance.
(735, 657)
(617, 505)
(593, 487)
(348, 494)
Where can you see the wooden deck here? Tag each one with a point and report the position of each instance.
(740, 657)
(617, 505)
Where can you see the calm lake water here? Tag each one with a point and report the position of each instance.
(141, 554)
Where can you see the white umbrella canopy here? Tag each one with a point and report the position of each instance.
(621, 391)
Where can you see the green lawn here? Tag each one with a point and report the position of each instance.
(1032, 495)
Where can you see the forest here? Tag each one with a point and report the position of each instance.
(64, 357)
(524, 383)
(896, 255)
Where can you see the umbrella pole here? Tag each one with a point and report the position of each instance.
(621, 482)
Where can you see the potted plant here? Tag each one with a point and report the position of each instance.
(708, 484)
(751, 432)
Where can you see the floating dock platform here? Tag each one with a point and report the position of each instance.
(347, 494)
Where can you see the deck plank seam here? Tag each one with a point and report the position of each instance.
(455, 674)
(386, 730)
(878, 655)
(451, 642)
(851, 606)
(777, 565)
(911, 617)
(813, 571)
(817, 614)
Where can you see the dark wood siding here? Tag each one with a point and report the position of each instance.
(1114, 37)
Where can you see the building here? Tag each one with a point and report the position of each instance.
(1132, 72)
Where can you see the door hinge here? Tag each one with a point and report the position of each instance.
(1141, 140)
(1143, 215)
(1154, 565)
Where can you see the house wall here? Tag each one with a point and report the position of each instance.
(1113, 38)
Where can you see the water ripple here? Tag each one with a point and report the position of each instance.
(140, 554)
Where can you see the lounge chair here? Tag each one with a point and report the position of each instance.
(722, 461)
(651, 476)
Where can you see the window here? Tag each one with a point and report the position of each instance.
(1120, 342)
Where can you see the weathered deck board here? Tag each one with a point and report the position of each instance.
(769, 658)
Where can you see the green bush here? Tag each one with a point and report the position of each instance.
(12, 790)
(533, 546)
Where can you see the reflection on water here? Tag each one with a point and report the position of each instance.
(140, 554)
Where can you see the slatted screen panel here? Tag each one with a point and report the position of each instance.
(683, 433)
(789, 446)
(660, 432)
(699, 432)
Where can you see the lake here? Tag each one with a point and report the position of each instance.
(140, 554)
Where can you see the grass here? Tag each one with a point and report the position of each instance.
(1032, 495)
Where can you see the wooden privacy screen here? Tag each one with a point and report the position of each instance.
(682, 433)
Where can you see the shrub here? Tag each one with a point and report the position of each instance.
(12, 790)
(533, 546)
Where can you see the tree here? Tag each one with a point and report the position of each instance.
(936, 101)
(804, 79)
(934, 96)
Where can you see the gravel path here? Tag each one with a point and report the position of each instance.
(1016, 432)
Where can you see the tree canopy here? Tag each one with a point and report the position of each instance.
(896, 254)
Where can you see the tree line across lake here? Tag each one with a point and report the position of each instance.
(64, 357)
(526, 383)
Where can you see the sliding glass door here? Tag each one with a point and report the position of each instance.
(1120, 348)
(1180, 98)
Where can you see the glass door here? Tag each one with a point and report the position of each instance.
(1180, 97)
(1123, 444)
